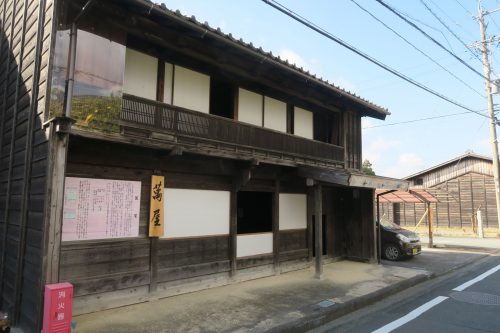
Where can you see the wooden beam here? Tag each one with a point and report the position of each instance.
(58, 150)
(332, 176)
(429, 220)
(375, 182)
(318, 216)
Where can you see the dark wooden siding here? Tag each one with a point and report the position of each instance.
(186, 258)
(293, 245)
(352, 141)
(26, 29)
(114, 268)
(459, 198)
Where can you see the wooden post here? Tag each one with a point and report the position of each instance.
(276, 227)
(429, 219)
(480, 231)
(318, 216)
(58, 149)
(233, 229)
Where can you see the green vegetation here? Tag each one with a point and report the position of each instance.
(367, 168)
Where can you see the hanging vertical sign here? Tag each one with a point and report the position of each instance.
(156, 216)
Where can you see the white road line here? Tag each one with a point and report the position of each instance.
(477, 279)
(410, 316)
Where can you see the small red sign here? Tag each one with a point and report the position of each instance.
(58, 308)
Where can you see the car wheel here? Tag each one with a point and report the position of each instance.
(392, 252)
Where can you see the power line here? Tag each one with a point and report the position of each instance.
(414, 19)
(431, 38)
(416, 48)
(468, 11)
(452, 19)
(330, 36)
(418, 120)
(449, 29)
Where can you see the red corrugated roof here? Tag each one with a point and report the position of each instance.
(418, 196)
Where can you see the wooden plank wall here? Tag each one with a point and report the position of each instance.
(126, 271)
(25, 43)
(459, 199)
(453, 170)
(352, 130)
(351, 223)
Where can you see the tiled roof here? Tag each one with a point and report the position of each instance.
(229, 37)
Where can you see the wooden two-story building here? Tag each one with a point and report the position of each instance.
(260, 159)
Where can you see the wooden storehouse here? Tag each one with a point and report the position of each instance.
(145, 154)
(462, 185)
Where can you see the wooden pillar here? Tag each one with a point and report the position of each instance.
(233, 229)
(318, 213)
(59, 129)
(276, 227)
(429, 220)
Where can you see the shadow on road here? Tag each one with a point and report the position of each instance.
(439, 261)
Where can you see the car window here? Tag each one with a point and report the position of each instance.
(389, 225)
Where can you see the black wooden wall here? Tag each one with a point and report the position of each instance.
(25, 40)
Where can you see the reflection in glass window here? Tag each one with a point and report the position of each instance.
(98, 80)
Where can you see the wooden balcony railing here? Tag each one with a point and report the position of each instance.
(182, 122)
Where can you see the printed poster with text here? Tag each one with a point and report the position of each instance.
(100, 209)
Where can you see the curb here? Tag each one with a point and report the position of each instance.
(321, 316)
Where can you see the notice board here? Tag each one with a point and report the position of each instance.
(100, 209)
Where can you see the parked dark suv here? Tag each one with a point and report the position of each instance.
(398, 242)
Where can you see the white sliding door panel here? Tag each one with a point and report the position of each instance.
(191, 90)
(141, 74)
(303, 123)
(196, 213)
(274, 114)
(292, 211)
(249, 107)
(254, 244)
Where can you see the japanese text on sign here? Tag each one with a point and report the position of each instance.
(100, 208)
(156, 225)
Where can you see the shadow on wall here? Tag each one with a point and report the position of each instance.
(23, 159)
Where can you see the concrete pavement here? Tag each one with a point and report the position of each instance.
(259, 305)
(291, 302)
(465, 242)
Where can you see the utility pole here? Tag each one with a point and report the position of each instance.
(493, 131)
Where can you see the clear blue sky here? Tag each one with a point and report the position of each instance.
(398, 150)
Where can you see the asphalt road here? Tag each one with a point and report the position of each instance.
(435, 306)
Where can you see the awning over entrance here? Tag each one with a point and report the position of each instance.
(412, 196)
(353, 179)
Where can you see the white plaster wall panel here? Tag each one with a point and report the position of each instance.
(254, 244)
(293, 211)
(141, 74)
(195, 213)
(191, 90)
(303, 123)
(274, 114)
(249, 107)
(169, 83)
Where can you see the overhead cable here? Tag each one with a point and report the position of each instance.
(418, 120)
(416, 48)
(395, 12)
(330, 36)
(449, 29)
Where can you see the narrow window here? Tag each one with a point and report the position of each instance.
(221, 98)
